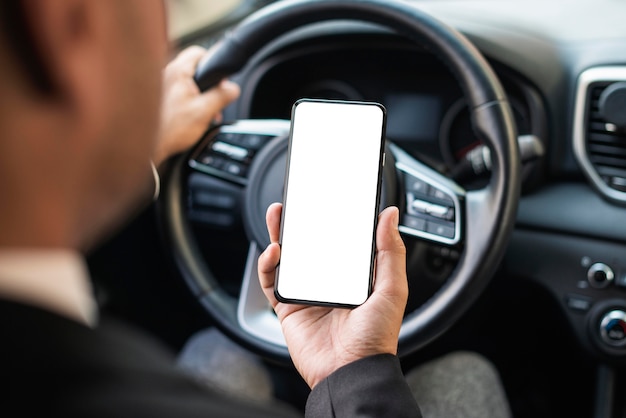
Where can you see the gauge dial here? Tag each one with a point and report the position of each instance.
(456, 136)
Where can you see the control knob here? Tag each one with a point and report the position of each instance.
(600, 275)
(613, 328)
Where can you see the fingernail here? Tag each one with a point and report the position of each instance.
(227, 84)
(396, 216)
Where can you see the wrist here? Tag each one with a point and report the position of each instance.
(356, 364)
(343, 363)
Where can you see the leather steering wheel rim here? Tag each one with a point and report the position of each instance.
(490, 212)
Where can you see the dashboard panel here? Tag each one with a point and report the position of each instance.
(569, 243)
(538, 50)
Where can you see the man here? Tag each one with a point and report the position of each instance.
(80, 109)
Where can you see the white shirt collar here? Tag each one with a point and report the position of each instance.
(55, 280)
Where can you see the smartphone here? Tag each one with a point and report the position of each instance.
(331, 202)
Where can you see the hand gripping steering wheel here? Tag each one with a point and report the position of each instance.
(433, 208)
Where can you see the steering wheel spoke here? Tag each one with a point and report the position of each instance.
(227, 151)
(432, 209)
(220, 166)
(254, 313)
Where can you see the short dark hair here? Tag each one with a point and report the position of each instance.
(17, 31)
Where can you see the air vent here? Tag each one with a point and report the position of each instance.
(600, 130)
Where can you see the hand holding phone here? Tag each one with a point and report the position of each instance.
(331, 201)
(323, 339)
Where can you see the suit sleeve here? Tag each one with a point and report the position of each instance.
(371, 387)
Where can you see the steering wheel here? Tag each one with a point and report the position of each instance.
(243, 163)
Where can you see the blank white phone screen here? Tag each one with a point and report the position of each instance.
(331, 202)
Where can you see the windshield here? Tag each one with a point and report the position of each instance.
(188, 17)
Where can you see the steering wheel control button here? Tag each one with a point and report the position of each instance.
(613, 328)
(445, 230)
(600, 275)
(235, 169)
(417, 186)
(228, 153)
(212, 202)
(210, 199)
(440, 196)
(438, 211)
(213, 161)
(578, 303)
(431, 211)
(230, 137)
(253, 141)
(419, 224)
(232, 151)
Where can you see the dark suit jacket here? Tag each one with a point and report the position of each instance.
(52, 366)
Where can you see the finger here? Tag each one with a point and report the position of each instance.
(188, 59)
(215, 99)
(267, 263)
(390, 258)
(272, 218)
(271, 256)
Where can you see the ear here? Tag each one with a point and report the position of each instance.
(74, 44)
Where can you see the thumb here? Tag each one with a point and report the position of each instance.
(387, 235)
(390, 279)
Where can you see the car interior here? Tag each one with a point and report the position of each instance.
(506, 155)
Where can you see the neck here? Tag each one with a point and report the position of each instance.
(30, 228)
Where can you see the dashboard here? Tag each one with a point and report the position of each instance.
(570, 237)
(567, 222)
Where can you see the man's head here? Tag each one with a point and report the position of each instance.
(79, 106)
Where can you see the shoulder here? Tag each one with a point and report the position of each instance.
(111, 371)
